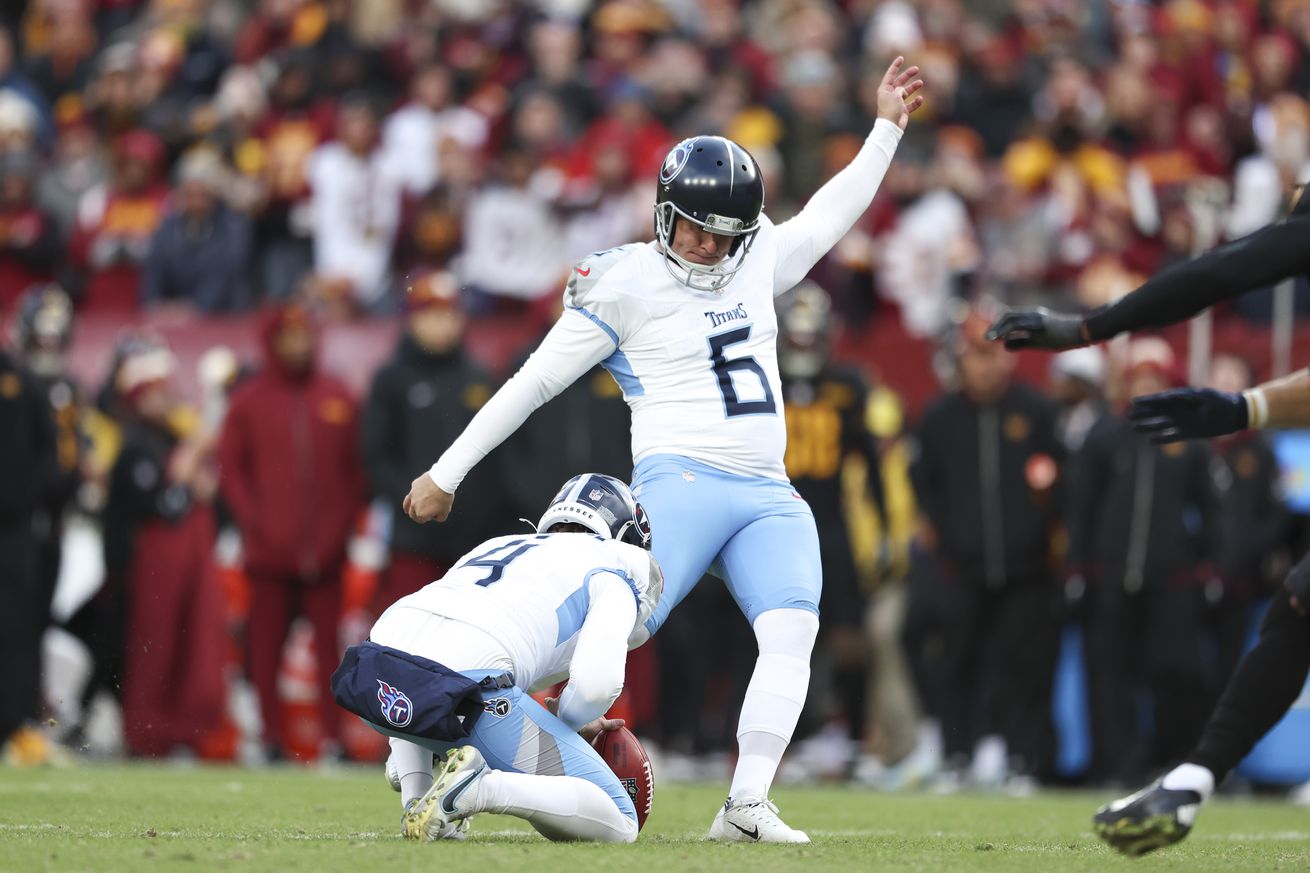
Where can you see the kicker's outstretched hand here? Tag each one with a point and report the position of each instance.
(897, 100)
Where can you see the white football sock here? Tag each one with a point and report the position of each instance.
(758, 755)
(773, 699)
(559, 807)
(1190, 777)
(414, 765)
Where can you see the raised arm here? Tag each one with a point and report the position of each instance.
(1272, 253)
(835, 207)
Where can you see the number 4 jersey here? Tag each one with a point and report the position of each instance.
(532, 594)
(698, 368)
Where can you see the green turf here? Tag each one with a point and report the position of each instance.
(130, 818)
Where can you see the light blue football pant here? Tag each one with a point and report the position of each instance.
(527, 738)
(757, 534)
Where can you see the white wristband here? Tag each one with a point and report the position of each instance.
(1257, 408)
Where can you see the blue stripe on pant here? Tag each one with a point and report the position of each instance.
(527, 738)
(758, 534)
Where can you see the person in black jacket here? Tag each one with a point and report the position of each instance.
(986, 473)
(27, 469)
(1140, 521)
(42, 331)
(420, 401)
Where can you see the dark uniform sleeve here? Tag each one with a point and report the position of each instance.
(1269, 255)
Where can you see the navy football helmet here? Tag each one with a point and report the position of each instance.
(601, 504)
(715, 184)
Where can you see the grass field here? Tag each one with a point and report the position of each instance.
(131, 818)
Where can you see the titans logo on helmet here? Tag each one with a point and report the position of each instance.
(397, 708)
(642, 523)
(675, 161)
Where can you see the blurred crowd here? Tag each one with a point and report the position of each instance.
(211, 155)
(440, 162)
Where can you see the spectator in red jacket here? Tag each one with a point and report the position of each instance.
(292, 477)
(116, 222)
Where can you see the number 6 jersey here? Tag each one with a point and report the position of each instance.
(698, 368)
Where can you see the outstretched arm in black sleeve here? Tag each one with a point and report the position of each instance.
(1263, 258)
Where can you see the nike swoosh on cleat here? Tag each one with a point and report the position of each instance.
(754, 833)
(447, 802)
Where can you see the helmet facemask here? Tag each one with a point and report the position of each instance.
(704, 277)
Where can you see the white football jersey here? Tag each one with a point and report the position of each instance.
(530, 594)
(698, 368)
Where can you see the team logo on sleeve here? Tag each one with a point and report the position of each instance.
(397, 708)
(676, 160)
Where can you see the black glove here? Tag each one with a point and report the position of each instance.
(1298, 583)
(1038, 328)
(1189, 413)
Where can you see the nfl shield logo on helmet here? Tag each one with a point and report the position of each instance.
(397, 708)
(596, 494)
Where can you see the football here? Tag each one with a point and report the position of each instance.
(625, 756)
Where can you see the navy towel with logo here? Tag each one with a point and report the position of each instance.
(407, 693)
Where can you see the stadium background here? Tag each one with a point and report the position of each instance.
(357, 157)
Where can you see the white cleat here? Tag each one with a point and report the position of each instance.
(752, 821)
(450, 800)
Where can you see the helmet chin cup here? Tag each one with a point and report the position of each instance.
(711, 278)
